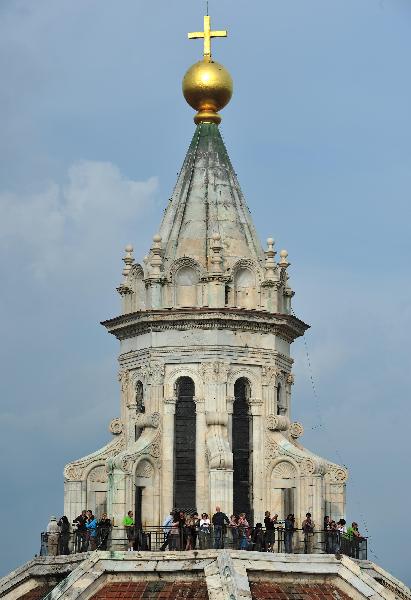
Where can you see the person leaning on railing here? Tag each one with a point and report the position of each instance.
(91, 526)
(219, 520)
(308, 527)
(81, 532)
(103, 531)
(353, 537)
(289, 528)
(204, 533)
(64, 535)
(128, 523)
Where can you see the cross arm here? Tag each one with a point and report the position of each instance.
(195, 35)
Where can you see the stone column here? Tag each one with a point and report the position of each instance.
(201, 459)
(167, 471)
(257, 457)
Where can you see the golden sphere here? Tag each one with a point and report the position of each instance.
(207, 87)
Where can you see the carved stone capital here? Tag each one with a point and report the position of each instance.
(290, 379)
(269, 373)
(230, 404)
(200, 405)
(169, 406)
(153, 372)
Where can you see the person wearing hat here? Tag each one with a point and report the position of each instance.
(53, 532)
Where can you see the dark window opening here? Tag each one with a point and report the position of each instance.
(242, 450)
(185, 447)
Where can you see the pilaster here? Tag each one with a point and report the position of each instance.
(167, 471)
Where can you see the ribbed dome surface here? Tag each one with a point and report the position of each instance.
(207, 199)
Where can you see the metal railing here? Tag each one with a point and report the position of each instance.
(152, 538)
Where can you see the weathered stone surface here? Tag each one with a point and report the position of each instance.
(211, 574)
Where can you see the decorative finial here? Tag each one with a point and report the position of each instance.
(207, 34)
(284, 264)
(207, 85)
(269, 260)
(128, 260)
(156, 259)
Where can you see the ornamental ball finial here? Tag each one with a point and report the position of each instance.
(207, 85)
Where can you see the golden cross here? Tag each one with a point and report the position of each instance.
(207, 34)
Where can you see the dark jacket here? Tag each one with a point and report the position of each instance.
(219, 519)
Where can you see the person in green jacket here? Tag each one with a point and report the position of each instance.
(128, 523)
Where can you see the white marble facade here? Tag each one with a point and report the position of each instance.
(208, 304)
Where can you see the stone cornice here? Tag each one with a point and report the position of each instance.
(285, 326)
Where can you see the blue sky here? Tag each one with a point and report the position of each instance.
(95, 128)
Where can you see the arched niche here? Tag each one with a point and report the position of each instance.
(284, 489)
(242, 449)
(139, 289)
(185, 446)
(245, 288)
(97, 482)
(186, 286)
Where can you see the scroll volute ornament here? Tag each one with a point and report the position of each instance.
(116, 426)
(277, 423)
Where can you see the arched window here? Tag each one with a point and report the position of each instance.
(242, 446)
(245, 288)
(185, 446)
(281, 407)
(186, 287)
(140, 408)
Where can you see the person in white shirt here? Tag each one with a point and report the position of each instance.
(53, 532)
(204, 533)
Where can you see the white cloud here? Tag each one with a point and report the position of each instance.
(72, 222)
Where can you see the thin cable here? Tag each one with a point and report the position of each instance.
(337, 452)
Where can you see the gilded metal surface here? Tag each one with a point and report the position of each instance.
(207, 85)
(207, 34)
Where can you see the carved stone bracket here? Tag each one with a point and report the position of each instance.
(277, 423)
(128, 459)
(216, 418)
(143, 420)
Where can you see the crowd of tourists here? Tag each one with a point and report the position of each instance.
(189, 531)
(89, 533)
